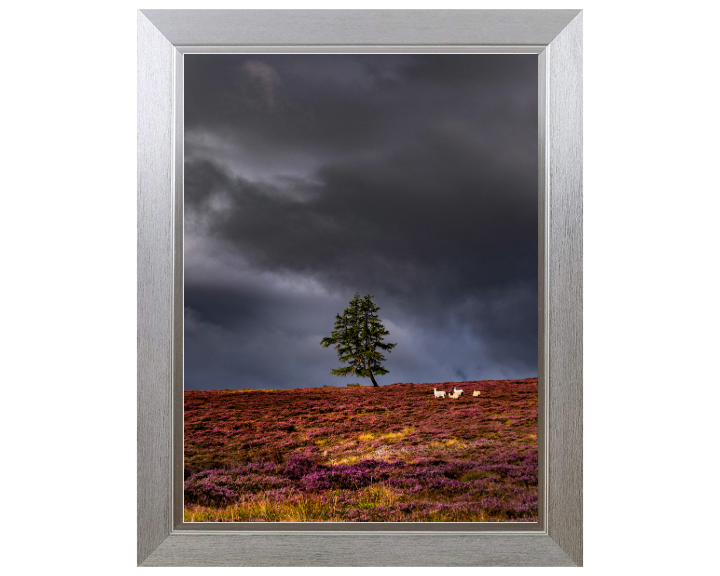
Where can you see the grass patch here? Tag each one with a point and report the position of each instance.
(398, 435)
(263, 509)
(377, 495)
(348, 460)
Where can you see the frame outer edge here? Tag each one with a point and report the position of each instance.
(359, 27)
(156, 544)
(565, 282)
(154, 288)
(236, 549)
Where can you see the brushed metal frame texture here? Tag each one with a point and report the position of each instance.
(163, 37)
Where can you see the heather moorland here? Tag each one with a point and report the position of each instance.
(394, 453)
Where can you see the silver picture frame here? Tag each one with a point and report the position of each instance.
(164, 36)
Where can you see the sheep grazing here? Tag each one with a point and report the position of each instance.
(476, 393)
(457, 393)
(439, 393)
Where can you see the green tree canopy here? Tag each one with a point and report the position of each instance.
(357, 336)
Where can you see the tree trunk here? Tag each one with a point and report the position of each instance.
(373, 380)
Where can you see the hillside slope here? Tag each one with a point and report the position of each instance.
(361, 453)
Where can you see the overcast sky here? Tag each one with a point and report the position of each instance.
(311, 177)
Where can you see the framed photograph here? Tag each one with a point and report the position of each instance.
(359, 287)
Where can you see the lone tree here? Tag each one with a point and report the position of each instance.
(357, 336)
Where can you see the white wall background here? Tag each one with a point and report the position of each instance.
(68, 283)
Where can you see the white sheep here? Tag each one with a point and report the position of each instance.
(476, 393)
(439, 393)
(457, 393)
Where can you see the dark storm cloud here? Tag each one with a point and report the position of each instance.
(410, 177)
(329, 106)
